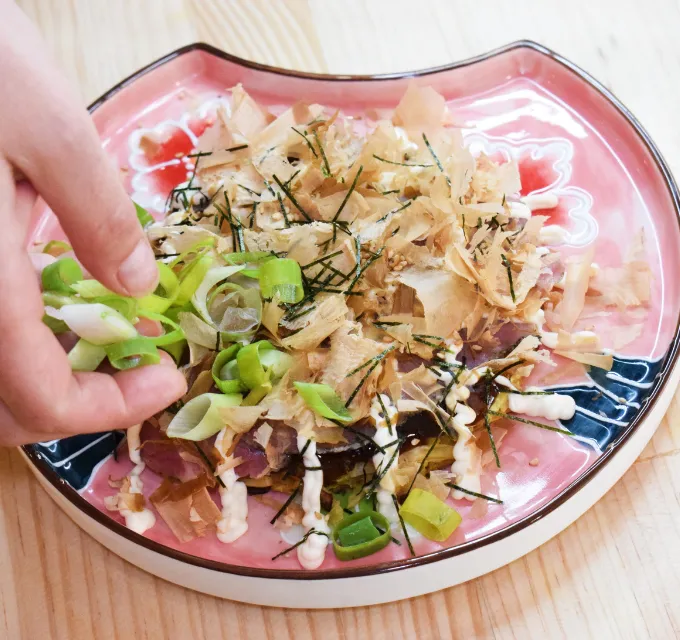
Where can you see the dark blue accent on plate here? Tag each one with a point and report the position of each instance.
(74, 458)
(612, 399)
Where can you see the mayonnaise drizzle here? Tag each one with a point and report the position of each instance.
(234, 495)
(550, 339)
(312, 551)
(384, 435)
(553, 406)
(466, 466)
(137, 521)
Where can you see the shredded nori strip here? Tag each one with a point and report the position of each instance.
(307, 140)
(401, 164)
(436, 159)
(300, 542)
(473, 493)
(286, 504)
(208, 462)
(510, 416)
(403, 526)
(422, 462)
(291, 197)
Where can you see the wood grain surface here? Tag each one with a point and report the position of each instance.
(615, 573)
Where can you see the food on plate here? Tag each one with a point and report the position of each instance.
(358, 305)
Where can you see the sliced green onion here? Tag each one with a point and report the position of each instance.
(86, 356)
(167, 291)
(144, 217)
(282, 276)
(276, 363)
(361, 534)
(211, 278)
(257, 394)
(323, 400)
(169, 337)
(200, 418)
(54, 325)
(90, 289)
(61, 275)
(97, 323)
(428, 515)
(56, 248)
(246, 257)
(176, 349)
(367, 503)
(132, 353)
(127, 307)
(58, 300)
(191, 277)
(251, 371)
(226, 376)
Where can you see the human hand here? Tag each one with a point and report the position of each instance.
(47, 136)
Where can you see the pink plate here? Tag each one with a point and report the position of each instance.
(570, 136)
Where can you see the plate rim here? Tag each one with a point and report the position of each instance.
(669, 360)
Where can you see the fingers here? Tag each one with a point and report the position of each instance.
(49, 137)
(40, 397)
(97, 402)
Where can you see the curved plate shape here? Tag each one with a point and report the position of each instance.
(570, 136)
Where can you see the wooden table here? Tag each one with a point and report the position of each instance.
(613, 574)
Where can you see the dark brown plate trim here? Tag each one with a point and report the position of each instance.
(286, 574)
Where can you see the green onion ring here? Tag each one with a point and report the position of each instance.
(358, 535)
(132, 353)
(61, 275)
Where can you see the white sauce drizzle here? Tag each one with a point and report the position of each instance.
(384, 436)
(547, 200)
(553, 234)
(312, 551)
(137, 521)
(551, 407)
(466, 466)
(550, 339)
(234, 495)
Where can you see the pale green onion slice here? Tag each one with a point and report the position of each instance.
(60, 276)
(56, 248)
(257, 394)
(200, 418)
(191, 277)
(282, 276)
(90, 289)
(211, 279)
(166, 292)
(251, 371)
(54, 325)
(276, 362)
(428, 515)
(132, 353)
(86, 356)
(176, 349)
(323, 400)
(225, 371)
(169, 337)
(245, 257)
(58, 300)
(144, 217)
(127, 307)
(96, 323)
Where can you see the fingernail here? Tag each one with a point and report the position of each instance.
(139, 273)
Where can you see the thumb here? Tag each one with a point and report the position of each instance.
(59, 151)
